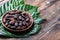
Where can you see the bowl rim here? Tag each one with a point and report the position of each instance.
(31, 20)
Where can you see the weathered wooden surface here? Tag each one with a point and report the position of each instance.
(51, 28)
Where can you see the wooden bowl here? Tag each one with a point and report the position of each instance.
(31, 20)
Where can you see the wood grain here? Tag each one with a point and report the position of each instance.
(51, 28)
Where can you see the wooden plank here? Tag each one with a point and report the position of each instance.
(34, 2)
(49, 31)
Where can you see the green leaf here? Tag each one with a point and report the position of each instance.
(11, 4)
(19, 5)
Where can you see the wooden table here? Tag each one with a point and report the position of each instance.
(51, 28)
